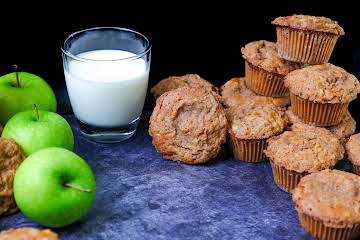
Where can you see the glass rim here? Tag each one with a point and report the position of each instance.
(137, 56)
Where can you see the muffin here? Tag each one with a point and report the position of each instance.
(265, 70)
(188, 125)
(320, 94)
(342, 131)
(27, 233)
(306, 39)
(305, 149)
(188, 80)
(328, 204)
(234, 92)
(11, 156)
(251, 125)
(353, 152)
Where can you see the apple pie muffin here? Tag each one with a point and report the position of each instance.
(251, 125)
(320, 94)
(234, 92)
(27, 233)
(303, 150)
(188, 80)
(11, 156)
(306, 39)
(265, 70)
(188, 125)
(328, 204)
(342, 131)
(353, 152)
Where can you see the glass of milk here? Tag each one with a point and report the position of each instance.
(106, 72)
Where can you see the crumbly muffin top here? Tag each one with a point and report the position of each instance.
(331, 196)
(323, 83)
(27, 233)
(11, 156)
(305, 149)
(342, 131)
(353, 149)
(263, 54)
(188, 125)
(311, 23)
(255, 121)
(235, 86)
(235, 92)
(188, 80)
(292, 117)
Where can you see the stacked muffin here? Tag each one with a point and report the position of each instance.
(320, 95)
(306, 39)
(321, 124)
(264, 73)
(301, 158)
(251, 125)
(265, 69)
(303, 142)
(328, 204)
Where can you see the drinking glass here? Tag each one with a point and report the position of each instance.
(106, 72)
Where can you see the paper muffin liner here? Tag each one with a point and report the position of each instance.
(303, 46)
(248, 150)
(263, 82)
(319, 114)
(318, 230)
(355, 169)
(285, 179)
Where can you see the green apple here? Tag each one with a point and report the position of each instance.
(35, 130)
(20, 90)
(54, 187)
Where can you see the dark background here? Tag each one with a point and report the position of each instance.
(186, 38)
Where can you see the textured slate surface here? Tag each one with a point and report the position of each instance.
(142, 196)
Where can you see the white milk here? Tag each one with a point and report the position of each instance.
(107, 93)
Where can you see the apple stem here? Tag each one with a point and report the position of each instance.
(37, 112)
(74, 186)
(17, 76)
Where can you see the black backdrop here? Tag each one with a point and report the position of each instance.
(186, 38)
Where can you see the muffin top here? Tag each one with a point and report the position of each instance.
(255, 121)
(323, 83)
(188, 125)
(28, 233)
(187, 80)
(235, 86)
(331, 196)
(305, 149)
(235, 92)
(342, 131)
(292, 117)
(311, 23)
(263, 54)
(353, 149)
